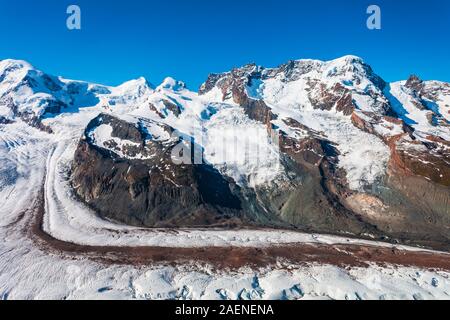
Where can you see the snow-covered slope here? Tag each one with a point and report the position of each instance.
(423, 105)
(27, 91)
(302, 81)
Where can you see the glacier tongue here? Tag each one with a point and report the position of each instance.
(241, 148)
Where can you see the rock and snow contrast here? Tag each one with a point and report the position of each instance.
(310, 180)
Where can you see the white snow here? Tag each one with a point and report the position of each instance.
(171, 84)
(5, 112)
(241, 148)
(130, 94)
(102, 137)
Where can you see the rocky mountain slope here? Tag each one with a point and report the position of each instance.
(312, 145)
(394, 181)
(125, 171)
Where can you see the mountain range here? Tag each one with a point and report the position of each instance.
(317, 146)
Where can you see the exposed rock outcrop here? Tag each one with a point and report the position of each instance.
(149, 190)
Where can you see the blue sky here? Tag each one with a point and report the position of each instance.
(122, 40)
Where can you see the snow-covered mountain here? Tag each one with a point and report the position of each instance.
(32, 95)
(325, 146)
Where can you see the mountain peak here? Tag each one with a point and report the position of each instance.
(350, 59)
(14, 71)
(14, 64)
(139, 83)
(413, 81)
(348, 63)
(172, 84)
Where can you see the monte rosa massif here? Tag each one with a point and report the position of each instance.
(325, 147)
(302, 170)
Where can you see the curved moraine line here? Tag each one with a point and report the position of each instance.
(230, 256)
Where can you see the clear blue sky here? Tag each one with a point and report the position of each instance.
(121, 40)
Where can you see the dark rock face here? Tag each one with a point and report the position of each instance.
(174, 108)
(254, 109)
(425, 159)
(154, 192)
(367, 121)
(414, 83)
(418, 195)
(325, 99)
(313, 199)
(150, 192)
(35, 122)
(411, 205)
